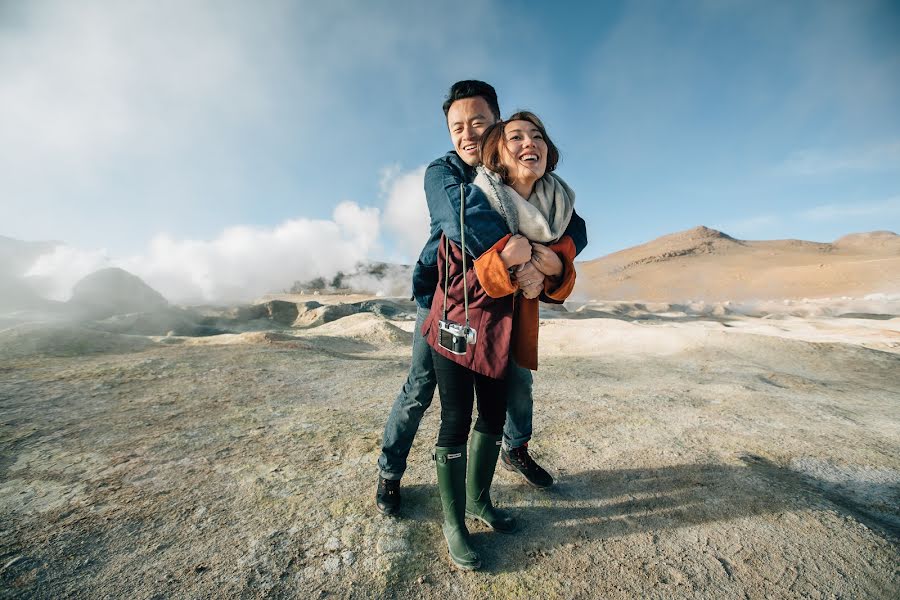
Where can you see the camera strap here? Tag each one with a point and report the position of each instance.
(462, 239)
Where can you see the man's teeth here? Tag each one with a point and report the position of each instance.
(469, 148)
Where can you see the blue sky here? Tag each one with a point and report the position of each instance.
(125, 127)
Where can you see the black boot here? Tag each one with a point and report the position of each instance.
(387, 497)
(519, 461)
(451, 475)
(483, 451)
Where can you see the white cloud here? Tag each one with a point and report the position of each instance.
(830, 212)
(406, 211)
(53, 274)
(86, 81)
(823, 162)
(240, 264)
(119, 119)
(764, 226)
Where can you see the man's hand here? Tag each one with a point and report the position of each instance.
(533, 291)
(546, 260)
(517, 251)
(530, 280)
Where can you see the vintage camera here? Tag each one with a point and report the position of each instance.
(454, 336)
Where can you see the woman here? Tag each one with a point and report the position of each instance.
(519, 158)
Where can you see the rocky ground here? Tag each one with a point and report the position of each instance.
(697, 456)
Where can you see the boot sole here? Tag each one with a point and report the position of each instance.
(485, 521)
(463, 566)
(512, 469)
(388, 512)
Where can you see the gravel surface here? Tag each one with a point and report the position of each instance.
(715, 464)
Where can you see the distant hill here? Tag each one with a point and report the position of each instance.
(706, 264)
(114, 291)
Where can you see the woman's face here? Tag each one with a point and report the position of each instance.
(524, 153)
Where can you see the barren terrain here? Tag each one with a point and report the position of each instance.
(722, 418)
(699, 453)
(705, 264)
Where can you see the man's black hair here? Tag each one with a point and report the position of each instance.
(471, 88)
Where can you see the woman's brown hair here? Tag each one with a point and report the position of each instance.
(489, 147)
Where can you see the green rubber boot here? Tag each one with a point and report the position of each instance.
(483, 452)
(451, 475)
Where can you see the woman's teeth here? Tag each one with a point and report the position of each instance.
(529, 158)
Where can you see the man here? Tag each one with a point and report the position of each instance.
(470, 107)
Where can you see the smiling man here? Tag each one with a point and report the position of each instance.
(471, 106)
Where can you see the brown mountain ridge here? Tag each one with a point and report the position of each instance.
(706, 264)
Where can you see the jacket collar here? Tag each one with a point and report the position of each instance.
(454, 159)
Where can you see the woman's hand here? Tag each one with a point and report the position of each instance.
(517, 251)
(546, 260)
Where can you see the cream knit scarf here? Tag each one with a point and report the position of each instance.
(543, 217)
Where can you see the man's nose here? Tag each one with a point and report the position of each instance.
(469, 132)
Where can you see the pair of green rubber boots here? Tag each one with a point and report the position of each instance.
(465, 488)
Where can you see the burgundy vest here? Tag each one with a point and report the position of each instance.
(492, 318)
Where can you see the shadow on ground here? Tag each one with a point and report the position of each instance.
(595, 505)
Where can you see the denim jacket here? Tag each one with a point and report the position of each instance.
(484, 227)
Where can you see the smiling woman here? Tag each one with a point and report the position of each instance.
(495, 293)
(518, 159)
(519, 151)
(535, 259)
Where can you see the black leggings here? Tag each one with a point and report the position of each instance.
(456, 384)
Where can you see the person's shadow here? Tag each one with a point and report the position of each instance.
(594, 505)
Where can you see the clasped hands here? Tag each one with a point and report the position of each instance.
(531, 263)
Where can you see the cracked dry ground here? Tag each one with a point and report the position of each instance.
(749, 468)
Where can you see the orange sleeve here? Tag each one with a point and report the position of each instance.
(492, 273)
(559, 289)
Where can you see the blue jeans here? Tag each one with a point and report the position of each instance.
(415, 398)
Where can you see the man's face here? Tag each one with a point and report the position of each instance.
(467, 120)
